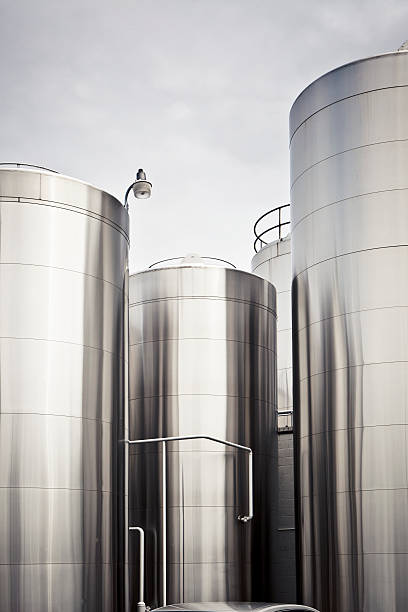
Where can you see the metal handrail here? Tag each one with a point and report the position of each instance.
(259, 243)
(156, 263)
(244, 518)
(22, 165)
(141, 606)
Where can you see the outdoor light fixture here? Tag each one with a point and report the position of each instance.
(142, 189)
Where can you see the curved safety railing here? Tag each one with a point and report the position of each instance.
(279, 217)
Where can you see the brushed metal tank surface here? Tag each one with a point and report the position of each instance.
(274, 263)
(63, 313)
(202, 360)
(234, 606)
(349, 155)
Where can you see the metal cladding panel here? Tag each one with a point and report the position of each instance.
(350, 301)
(274, 263)
(63, 303)
(202, 357)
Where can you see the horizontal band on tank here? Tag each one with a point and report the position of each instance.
(243, 397)
(236, 506)
(379, 248)
(99, 249)
(389, 343)
(68, 208)
(60, 269)
(57, 415)
(377, 117)
(356, 428)
(112, 563)
(351, 312)
(227, 563)
(40, 185)
(217, 298)
(356, 95)
(29, 487)
(355, 365)
(68, 342)
(353, 197)
(78, 211)
(362, 554)
(226, 340)
(342, 491)
(364, 146)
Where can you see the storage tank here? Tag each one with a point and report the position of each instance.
(202, 362)
(273, 262)
(349, 193)
(63, 267)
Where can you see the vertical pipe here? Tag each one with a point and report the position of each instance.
(141, 606)
(164, 522)
(250, 485)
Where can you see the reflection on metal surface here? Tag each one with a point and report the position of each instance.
(273, 263)
(62, 480)
(202, 357)
(349, 153)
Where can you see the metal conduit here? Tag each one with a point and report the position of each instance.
(244, 518)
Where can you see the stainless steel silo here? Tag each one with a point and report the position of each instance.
(202, 361)
(349, 186)
(274, 263)
(63, 271)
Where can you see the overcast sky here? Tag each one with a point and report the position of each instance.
(197, 92)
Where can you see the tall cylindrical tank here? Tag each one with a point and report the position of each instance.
(349, 185)
(63, 267)
(273, 262)
(202, 362)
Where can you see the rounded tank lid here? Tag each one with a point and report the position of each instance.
(191, 260)
(31, 182)
(380, 71)
(191, 276)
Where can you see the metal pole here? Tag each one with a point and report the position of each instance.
(164, 520)
(141, 606)
(244, 518)
(250, 486)
(128, 190)
(280, 230)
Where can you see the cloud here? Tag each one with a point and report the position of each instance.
(196, 91)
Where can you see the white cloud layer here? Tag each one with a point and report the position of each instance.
(198, 92)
